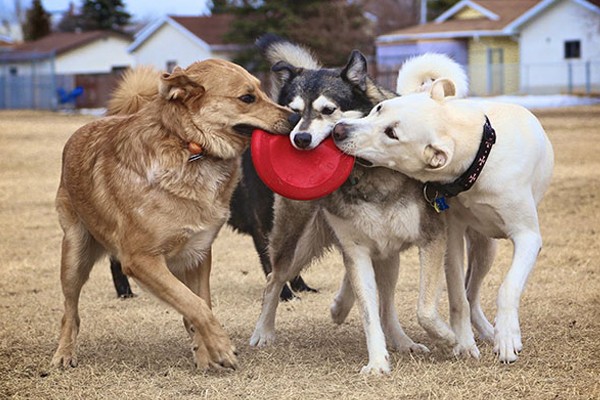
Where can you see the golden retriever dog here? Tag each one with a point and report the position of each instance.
(153, 188)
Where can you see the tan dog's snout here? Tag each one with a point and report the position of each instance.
(286, 123)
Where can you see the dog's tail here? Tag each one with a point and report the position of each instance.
(137, 88)
(276, 49)
(417, 74)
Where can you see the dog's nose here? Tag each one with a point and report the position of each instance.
(302, 139)
(293, 119)
(340, 131)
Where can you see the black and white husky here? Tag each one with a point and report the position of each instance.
(371, 218)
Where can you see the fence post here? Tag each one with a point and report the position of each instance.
(570, 78)
(54, 101)
(588, 78)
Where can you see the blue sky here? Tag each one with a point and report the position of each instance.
(140, 9)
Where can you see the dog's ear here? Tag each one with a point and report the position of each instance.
(442, 88)
(355, 70)
(177, 85)
(438, 155)
(285, 71)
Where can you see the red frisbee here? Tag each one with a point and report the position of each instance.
(299, 174)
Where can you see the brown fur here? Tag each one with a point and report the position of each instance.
(128, 189)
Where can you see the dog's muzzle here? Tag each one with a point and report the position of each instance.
(340, 132)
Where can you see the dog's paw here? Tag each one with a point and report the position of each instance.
(262, 339)
(64, 359)
(507, 347)
(416, 348)
(377, 367)
(201, 356)
(339, 311)
(507, 339)
(466, 351)
(221, 353)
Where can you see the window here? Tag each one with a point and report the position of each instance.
(572, 49)
(170, 65)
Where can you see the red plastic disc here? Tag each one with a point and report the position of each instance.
(299, 174)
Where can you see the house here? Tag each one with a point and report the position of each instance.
(31, 73)
(174, 40)
(92, 52)
(510, 46)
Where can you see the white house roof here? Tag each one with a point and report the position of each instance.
(497, 18)
(206, 31)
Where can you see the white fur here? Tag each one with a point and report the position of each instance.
(297, 104)
(418, 73)
(437, 138)
(293, 53)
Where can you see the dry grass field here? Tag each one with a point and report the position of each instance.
(138, 349)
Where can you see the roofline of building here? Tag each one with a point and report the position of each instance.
(509, 30)
(541, 7)
(145, 33)
(442, 35)
(466, 3)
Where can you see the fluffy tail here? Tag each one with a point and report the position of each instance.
(417, 74)
(276, 49)
(137, 88)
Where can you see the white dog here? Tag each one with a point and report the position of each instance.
(493, 188)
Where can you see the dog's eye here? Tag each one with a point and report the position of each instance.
(389, 132)
(248, 98)
(378, 108)
(328, 110)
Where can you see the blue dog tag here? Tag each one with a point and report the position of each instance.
(440, 204)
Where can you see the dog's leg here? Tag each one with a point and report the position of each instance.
(289, 254)
(343, 301)
(386, 276)
(299, 235)
(211, 345)
(459, 306)
(198, 280)
(359, 268)
(482, 251)
(507, 334)
(431, 257)
(79, 253)
(362, 276)
(120, 279)
(299, 285)
(261, 244)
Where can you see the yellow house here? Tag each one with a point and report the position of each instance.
(503, 44)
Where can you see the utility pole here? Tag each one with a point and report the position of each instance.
(423, 12)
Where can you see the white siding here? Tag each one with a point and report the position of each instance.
(169, 44)
(542, 41)
(97, 57)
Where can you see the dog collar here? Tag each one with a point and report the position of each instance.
(436, 193)
(197, 152)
